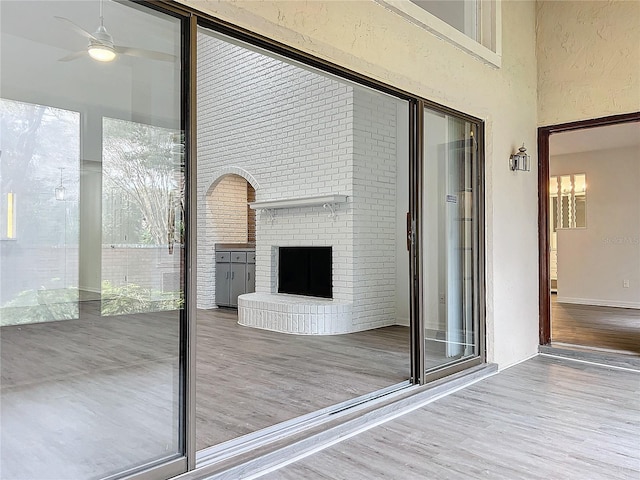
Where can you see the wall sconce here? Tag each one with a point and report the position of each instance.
(520, 160)
(60, 190)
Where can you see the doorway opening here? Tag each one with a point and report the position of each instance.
(589, 235)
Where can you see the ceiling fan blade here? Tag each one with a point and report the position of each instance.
(140, 52)
(76, 28)
(73, 56)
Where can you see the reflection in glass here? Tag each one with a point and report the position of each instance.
(88, 392)
(142, 218)
(40, 152)
(450, 329)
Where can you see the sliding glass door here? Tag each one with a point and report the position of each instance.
(450, 240)
(292, 157)
(323, 165)
(92, 296)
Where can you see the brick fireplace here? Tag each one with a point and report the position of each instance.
(334, 141)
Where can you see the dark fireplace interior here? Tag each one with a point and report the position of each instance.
(305, 271)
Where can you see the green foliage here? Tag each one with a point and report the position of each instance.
(48, 305)
(132, 298)
(36, 142)
(142, 184)
(34, 306)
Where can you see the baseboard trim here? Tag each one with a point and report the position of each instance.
(403, 322)
(502, 369)
(610, 359)
(598, 303)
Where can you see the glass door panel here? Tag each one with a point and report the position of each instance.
(272, 129)
(449, 233)
(92, 258)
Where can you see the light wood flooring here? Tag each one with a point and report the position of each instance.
(593, 326)
(542, 419)
(85, 398)
(248, 379)
(81, 399)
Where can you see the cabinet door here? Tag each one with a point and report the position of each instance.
(238, 285)
(223, 283)
(251, 277)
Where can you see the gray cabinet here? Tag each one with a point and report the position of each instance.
(223, 285)
(251, 277)
(235, 274)
(238, 281)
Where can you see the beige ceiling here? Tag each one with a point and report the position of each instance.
(598, 138)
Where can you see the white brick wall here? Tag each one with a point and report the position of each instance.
(310, 226)
(299, 133)
(374, 206)
(291, 129)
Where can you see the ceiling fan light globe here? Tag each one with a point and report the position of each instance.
(101, 53)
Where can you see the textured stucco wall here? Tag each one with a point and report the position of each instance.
(588, 59)
(367, 38)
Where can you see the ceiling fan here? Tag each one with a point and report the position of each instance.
(102, 48)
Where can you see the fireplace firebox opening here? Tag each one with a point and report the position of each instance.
(305, 271)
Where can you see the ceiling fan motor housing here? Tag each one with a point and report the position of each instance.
(102, 37)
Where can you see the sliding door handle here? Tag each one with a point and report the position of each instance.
(409, 232)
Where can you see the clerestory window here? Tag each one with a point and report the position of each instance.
(472, 25)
